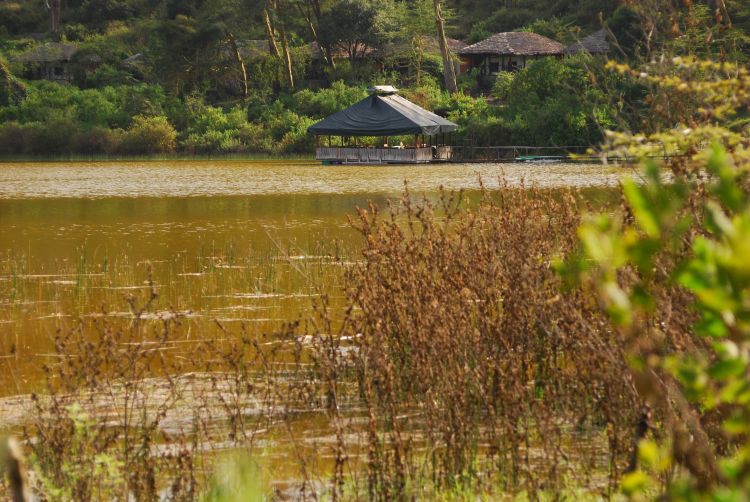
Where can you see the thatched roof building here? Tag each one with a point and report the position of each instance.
(515, 44)
(509, 51)
(50, 61)
(594, 44)
(52, 52)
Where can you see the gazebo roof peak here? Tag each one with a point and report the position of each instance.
(382, 90)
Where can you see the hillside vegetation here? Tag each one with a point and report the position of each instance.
(235, 76)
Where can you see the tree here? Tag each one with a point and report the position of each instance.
(279, 9)
(310, 10)
(357, 26)
(449, 73)
(54, 8)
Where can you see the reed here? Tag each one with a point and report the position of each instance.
(442, 359)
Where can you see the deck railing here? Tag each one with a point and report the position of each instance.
(353, 155)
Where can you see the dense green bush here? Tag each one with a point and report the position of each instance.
(319, 104)
(12, 138)
(503, 83)
(106, 107)
(149, 135)
(553, 102)
(98, 140)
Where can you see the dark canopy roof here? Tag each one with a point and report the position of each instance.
(379, 115)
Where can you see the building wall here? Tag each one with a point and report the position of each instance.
(493, 64)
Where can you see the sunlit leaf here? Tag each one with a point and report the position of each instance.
(727, 368)
(643, 212)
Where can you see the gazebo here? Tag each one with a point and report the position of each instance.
(383, 115)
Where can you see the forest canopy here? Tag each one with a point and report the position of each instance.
(238, 76)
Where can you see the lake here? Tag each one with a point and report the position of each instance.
(227, 245)
(223, 240)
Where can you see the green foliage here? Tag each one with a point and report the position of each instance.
(21, 17)
(11, 90)
(554, 28)
(502, 86)
(140, 119)
(625, 25)
(476, 18)
(358, 25)
(149, 135)
(320, 104)
(692, 236)
(553, 102)
(716, 273)
(236, 479)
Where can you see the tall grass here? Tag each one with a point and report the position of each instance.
(474, 368)
(454, 363)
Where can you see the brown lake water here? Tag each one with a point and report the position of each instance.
(235, 242)
(227, 240)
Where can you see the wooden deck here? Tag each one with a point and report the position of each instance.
(362, 155)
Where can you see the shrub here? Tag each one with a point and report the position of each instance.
(428, 94)
(13, 138)
(51, 137)
(96, 140)
(296, 139)
(255, 138)
(108, 75)
(326, 102)
(11, 90)
(149, 135)
(503, 83)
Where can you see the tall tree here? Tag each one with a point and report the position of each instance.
(449, 73)
(311, 11)
(273, 46)
(280, 10)
(54, 8)
(357, 26)
(240, 61)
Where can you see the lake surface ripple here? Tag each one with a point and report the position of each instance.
(183, 178)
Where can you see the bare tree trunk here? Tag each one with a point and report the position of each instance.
(288, 58)
(448, 71)
(417, 45)
(722, 14)
(54, 8)
(240, 62)
(273, 46)
(308, 19)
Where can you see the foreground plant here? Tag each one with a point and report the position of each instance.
(690, 237)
